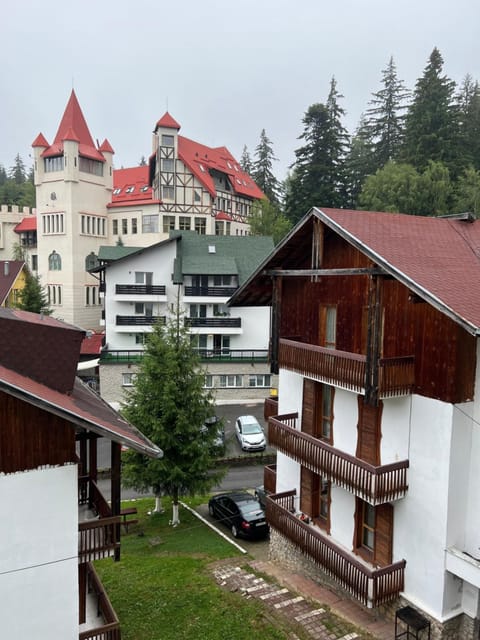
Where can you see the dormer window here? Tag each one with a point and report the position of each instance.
(117, 191)
(144, 188)
(129, 189)
(202, 168)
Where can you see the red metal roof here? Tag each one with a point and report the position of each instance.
(106, 147)
(438, 257)
(92, 344)
(221, 215)
(40, 141)
(200, 158)
(167, 122)
(73, 126)
(29, 223)
(130, 186)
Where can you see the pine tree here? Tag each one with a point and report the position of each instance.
(384, 118)
(262, 169)
(18, 173)
(169, 404)
(246, 163)
(431, 131)
(318, 176)
(359, 163)
(33, 297)
(468, 105)
(3, 175)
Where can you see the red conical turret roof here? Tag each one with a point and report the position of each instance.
(167, 122)
(74, 122)
(106, 147)
(40, 141)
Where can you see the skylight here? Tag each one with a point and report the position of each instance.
(129, 189)
(202, 168)
(117, 191)
(144, 188)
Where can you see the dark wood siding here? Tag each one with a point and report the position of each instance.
(31, 437)
(445, 354)
(369, 432)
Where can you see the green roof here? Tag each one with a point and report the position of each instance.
(220, 255)
(116, 252)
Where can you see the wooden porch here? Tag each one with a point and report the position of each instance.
(376, 485)
(347, 370)
(101, 620)
(372, 587)
(99, 537)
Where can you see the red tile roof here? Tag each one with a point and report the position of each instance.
(92, 344)
(130, 186)
(106, 147)
(73, 126)
(29, 223)
(40, 141)
(438, 257)
(167, 122)
(9, 271)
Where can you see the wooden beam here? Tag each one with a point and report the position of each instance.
(324, 272)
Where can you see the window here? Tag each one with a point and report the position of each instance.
(196, 196)
(327, 326)
(327, 413)
(54, 261)
(53, 164)
(52, 223)
(218, 227)
(167, 164)
(150, 224)
(374, 532)
(91, 261)
(144, 309)
(117, 191)
(315, 497)
(198, 311)
(130, 189)
(230, 381)
(128, 379)
(134, 226)
(259, 380)
(144, 277)
(54, 293)
(91, 295)
(208, 381)
(140, 338)
(168, 223)
(115, 227)
(222, 281)
(167, 140)
(201, 226)
(34, 262)
(168, 193)
(124, 226)
(317, 410)
(184, 223)
(94, 167)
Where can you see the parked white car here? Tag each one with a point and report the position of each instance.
(250, 434)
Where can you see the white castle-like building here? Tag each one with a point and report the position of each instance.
(84, 203)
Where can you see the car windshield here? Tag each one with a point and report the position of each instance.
(250, 428)
(250, 507)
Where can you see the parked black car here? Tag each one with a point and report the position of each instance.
(241, 512)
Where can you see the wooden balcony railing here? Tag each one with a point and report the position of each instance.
(372, 587)
(270, 478)
(375, 485)
(347, 370)
(96, 538)
(140, 289)
(110, 630)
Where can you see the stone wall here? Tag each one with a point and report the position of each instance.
(281, 550)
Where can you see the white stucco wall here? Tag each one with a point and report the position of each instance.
(39, 555)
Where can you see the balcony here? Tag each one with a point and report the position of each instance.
(372, 587)
(215, 292)
(376, 485)
(101, 620)
(138, 321)
(270, 478)
(206, 355)
(214, 323)
(140, 289)
(347, 370)
(97, 538)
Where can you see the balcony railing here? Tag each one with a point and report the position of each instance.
(372, 587)
(270, 478)
(124, 321)
(223, 292)
(207, 355)
(140, 289)
(96, 538)
(376, 485)
(219, 321)
(347, 370)
(110, 630)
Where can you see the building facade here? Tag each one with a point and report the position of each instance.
(84, 203)
(375, 326)
(196, 274)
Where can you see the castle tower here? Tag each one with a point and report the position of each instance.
(74, 182)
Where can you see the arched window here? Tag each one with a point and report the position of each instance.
(91, 261)
(54, 261)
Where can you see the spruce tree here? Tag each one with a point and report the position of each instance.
(431, 131)
(385, 119)
(262, 169)
(359, 163)
(169, 404)
(468, 105)
(33, 297)
(246, 163)
(18, 173)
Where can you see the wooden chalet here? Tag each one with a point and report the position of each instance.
(56, 519)
(375, 326)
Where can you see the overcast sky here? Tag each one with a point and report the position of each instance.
(225, 70)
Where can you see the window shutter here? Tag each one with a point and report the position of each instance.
(369, 432)
(383, 534)
(309, 487)
(308, 408)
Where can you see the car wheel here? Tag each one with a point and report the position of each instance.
(211, 510)
(234, 531)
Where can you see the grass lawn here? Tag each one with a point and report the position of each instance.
(162, 590)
